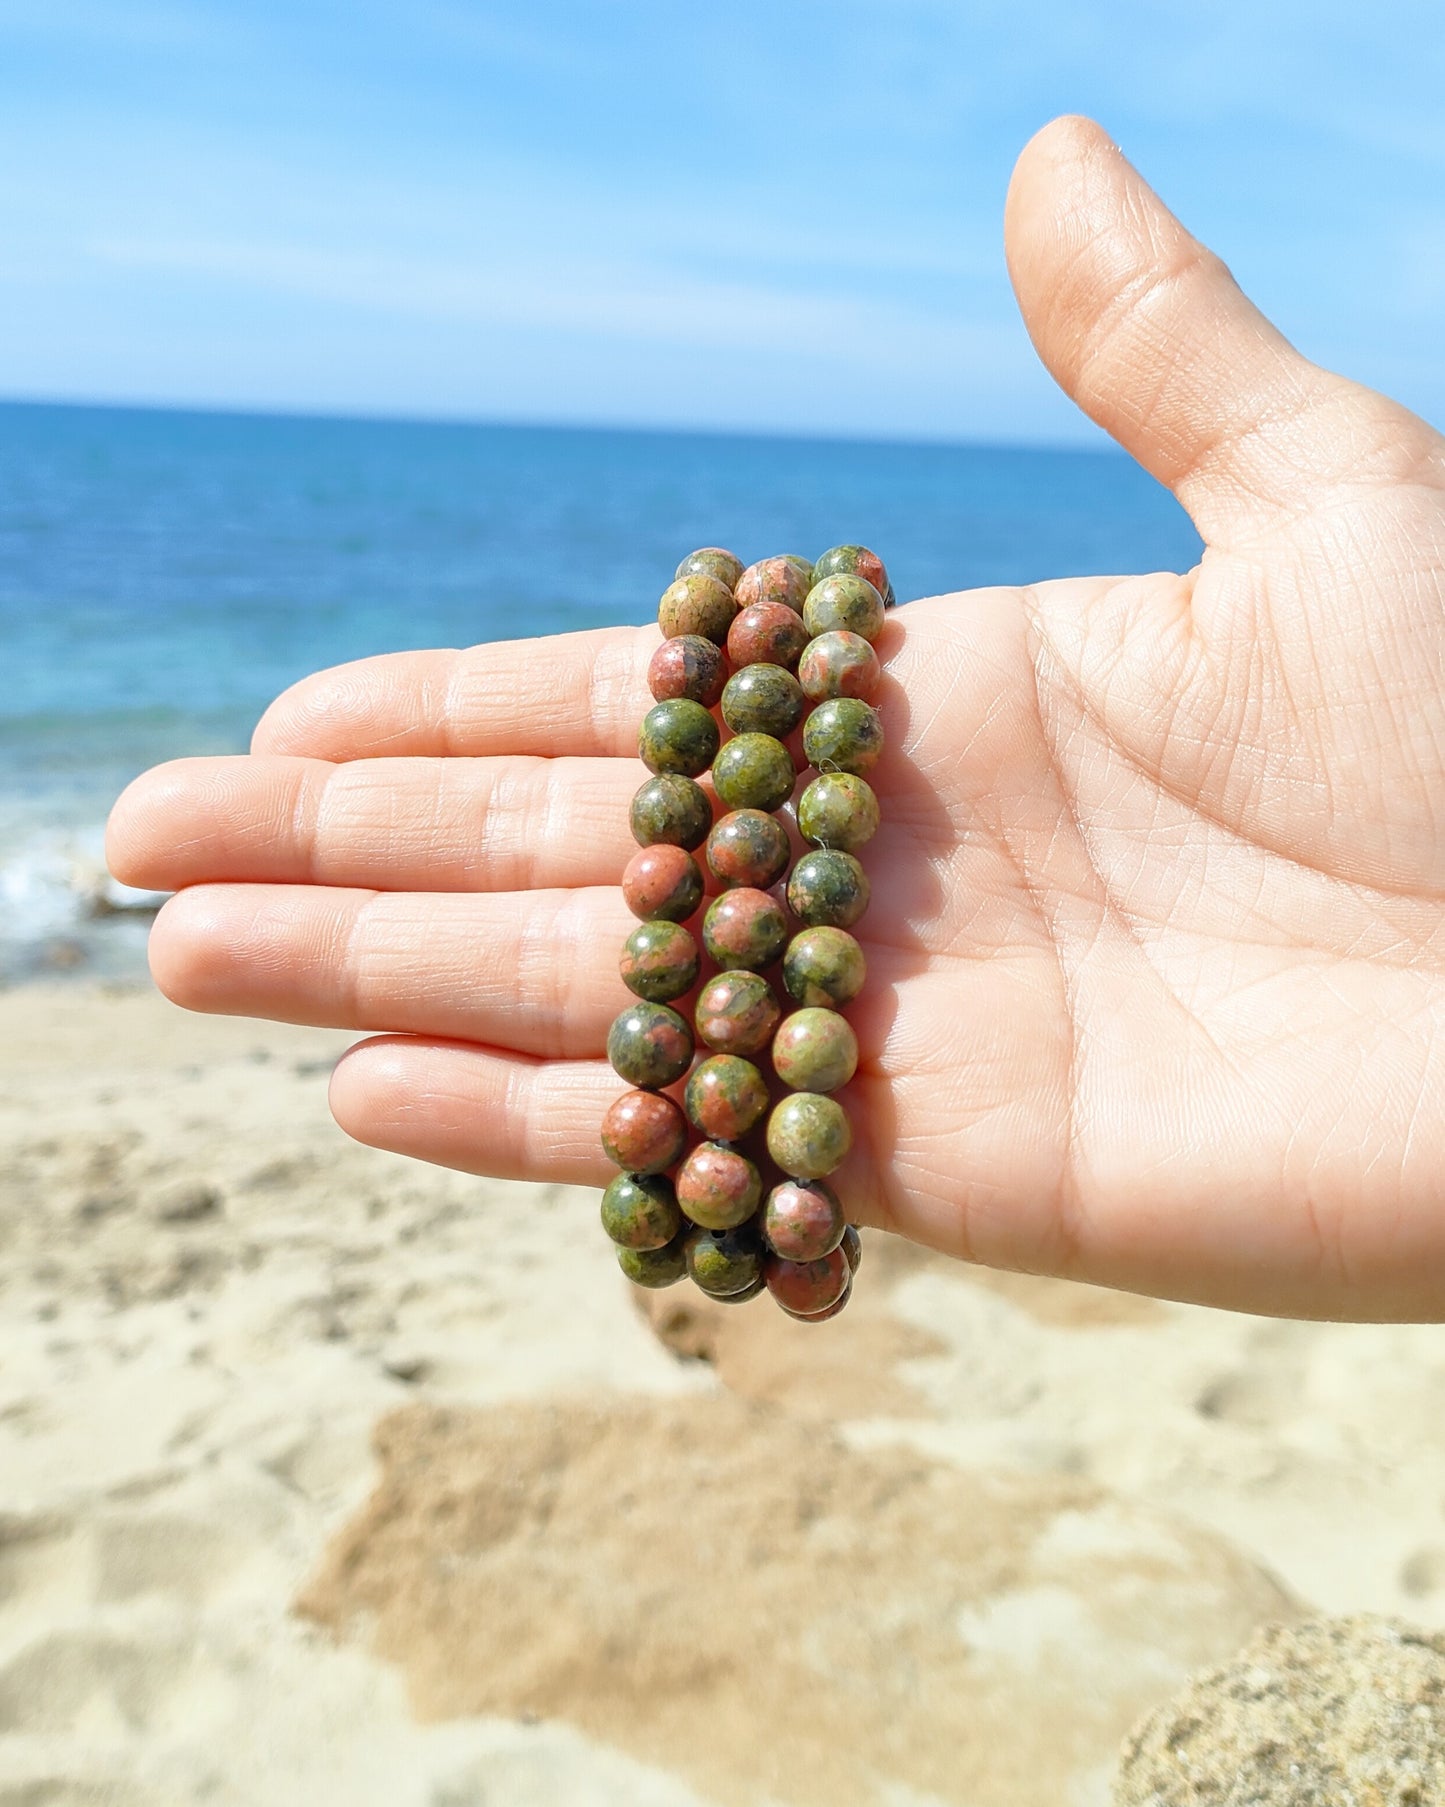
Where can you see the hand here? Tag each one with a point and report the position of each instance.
(1156, 989)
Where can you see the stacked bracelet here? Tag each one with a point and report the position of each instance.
(746, 1207)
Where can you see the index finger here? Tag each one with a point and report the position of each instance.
(581, 693)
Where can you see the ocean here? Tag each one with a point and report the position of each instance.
(164, 574)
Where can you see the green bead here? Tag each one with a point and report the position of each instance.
(828, 890)
(712, 561)
(763, 699)
(697, 604)
(673, 809)
(724, 1262)
(759, 1285)
(843, 735)
(678, 735)
(846, 604)
(659, 962)
(754, 771)
(824, 968)
(838, 810)
(815, 1051)
(650, 1045)
(656, 1267)
(808, 1135)
(744, 927)
(640, 1211)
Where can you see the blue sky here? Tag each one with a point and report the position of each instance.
(781, 216)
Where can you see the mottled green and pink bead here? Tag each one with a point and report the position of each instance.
(845, 603)
(856, 561)
(754, 771)
(656, 1267)
(673, 809)
(838, 664)
(678, 735)
(717, 1187)
(697, 604)
(815, 1051)
(737, 1012)
(785, 579)
(650, 1045)
(659, 961)
(643, 1132)
(748, 847)
(713, 561)
(824, 968)
(726, 1263)
(640, 1211)
(828, 889)
(766, 633)
(726, 1095)
(803, 1220)
(763, 699)
(808, 1135)
(843, 735)
(806, 1288)
(662, 882)
(688, 666)
(838, 809)
(745, 927)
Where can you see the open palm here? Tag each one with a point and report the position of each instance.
(1157, 949)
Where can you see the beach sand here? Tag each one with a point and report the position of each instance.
(328, 1477)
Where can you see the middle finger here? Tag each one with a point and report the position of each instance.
(531, 971)
(496, 824)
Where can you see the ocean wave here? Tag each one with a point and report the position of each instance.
(62, 911)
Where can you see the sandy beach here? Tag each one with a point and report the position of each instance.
(328, 1477)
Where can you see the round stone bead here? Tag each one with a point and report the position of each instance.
(815, 1051)
(824, 968)
(659, 961)
(857, 561)
(673, 809)
(717, 1187)
(767, 633)
(837, 664)
(691, 667)
(803, 567)
(744, 927)
(828, 890)
(852, 1246)
(775, 580)
(763, 699)
(846, 602)
(748, 847)
(808, 1287)
(737, 1013)
(725, 1097)
(803, 1220)
(640, 1211)
(662, 882)
(677, 736)
(843, 735)
(697, 604)
(808, 1135)
(649, 1045)
(713, 561)
(838, 810)
(725, 1263)
(643, 1132)
(754, 771)
(821, 1317)
(656, 1267)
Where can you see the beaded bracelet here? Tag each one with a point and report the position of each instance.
(763, 644)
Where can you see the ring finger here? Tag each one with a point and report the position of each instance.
(531, 971)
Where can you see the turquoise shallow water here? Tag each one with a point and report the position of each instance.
(163, 575)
